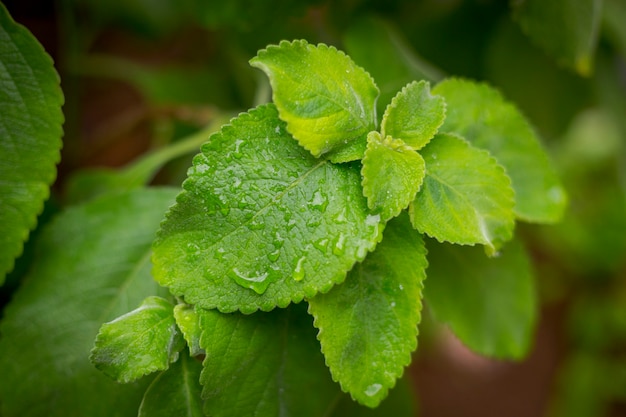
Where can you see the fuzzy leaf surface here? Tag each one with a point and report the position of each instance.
(481, 115)
(466, 197)
(327, 100)
(414, 115)
(30, 135)
(175, 392)
(260, 222)
(264, 365)
(489, 303)
(392, 174)
(188, 322)
(92, 265)
(368, 325)
(138, 343)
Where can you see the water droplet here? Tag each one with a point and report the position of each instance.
(256, 281)
(255, 225)
(339, 246)
(319, 202)
(237, 153)
(321, 245)
(236, 183)
(314, 222)
(290, 224)
(372, 220)
(362, 249)
(401, 287)
(298, 271)
(341, 217)
(273, 256)
(219, 254)
(373, 390)
(278, 241)
(393, 304)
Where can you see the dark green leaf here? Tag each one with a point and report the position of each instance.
(30, 134)
(93, 265)
(368, 325)
(264, 364)
(489, 303)
(261, 223)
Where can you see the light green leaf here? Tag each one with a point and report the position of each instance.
(489, 303)
(466, 197)
(327, 100)
(93, 265)
(264, 364)
(392, 174)
(175, 392)
(261, 223)
(368, 325)
(481, 115)
(187, 321)
(30, 135)
(414, 115)
(567, 29)
(138, 343)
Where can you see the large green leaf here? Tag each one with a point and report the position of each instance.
(264, 365)
(175, 392)
(138, 343)
(368, 325)
(489, 303)
(327, 100)
(481, 115)
(93, 265)
(30, 134)
(262, 223)
(466, 197)
(567, 29)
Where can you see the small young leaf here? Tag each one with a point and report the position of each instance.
(414, 115)
(175, 392)
(138, 343)
(489, 303)
(327, 100)
(30, 128)
(264, 364)
(261, 223)
(187, 321)
(368, 325)
(481, 115)
(93, 265)
(466, 197)
(392, 174)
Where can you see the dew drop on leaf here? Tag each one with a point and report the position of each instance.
(273, 256)
(373, 390)
(298, 272)
(339, 245)
(321, 245)
(258, 282)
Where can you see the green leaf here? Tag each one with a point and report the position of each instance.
(567, 29)
(368, 325)
(466, 197)
(261, 223)
(30, 135)
(481, 115)
(414, 115)
(392, 174)
(264, 364)
(93, 265)
(489, 303)
(188, 322)
(327, 100)
(175, 392)
(138, 343)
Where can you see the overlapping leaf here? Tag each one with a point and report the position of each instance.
(328, 102)
(188, 322)
(261, 223)
(466, 197)
(368, 325)
(264, 364)
(489, 303)
(138, 343)
(30, 134)
(93, 265)
(481, 115)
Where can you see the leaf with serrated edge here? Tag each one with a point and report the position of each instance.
(489, 303)
(414, 115)
(392, 175)
(368, 325)
(262, 223)
(93, 264)
(327, 100)
(187, 321)
(466, 197)
(175, 392)
(30, 141)
(138, 343)
(264, 364)
(481, 115)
